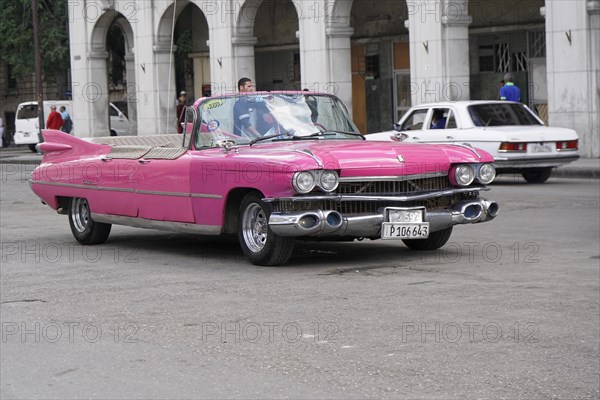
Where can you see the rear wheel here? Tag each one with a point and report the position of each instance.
(83, 227)
(260, 245)
(434, 241)
(537, 175)
(32, 147)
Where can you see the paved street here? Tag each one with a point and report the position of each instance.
(508, 309)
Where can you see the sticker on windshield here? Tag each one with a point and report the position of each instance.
(212, 104)
(213, 125)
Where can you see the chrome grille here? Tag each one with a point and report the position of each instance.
(369, 207)
(395, 187)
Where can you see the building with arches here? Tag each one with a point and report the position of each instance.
(380, 57)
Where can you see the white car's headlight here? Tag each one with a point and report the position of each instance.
(487, 173)
(329, 181)
(303, 182)
(464, 175)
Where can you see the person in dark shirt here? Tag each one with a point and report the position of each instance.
(249, 114)
(437, 120)
(180, 110)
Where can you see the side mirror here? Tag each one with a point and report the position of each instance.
(396, 126)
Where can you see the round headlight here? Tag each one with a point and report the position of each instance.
(487, 173)
(464, 175)
(304, 182)
(329, 181)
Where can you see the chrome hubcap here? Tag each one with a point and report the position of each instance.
(254, 227)
(80, 214)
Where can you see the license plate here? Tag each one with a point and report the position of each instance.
(404, 215)
(540, 147)
(392, 230)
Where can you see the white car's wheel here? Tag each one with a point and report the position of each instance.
(83, 227)
(537, 175)
(260, 245)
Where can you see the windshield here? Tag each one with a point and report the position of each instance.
(253, 117)
(501, 114)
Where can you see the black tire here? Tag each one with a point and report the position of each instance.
(537, 175)
(83, 227)
(32, 147)
(260, 245)
(433, 242)
(113, 133)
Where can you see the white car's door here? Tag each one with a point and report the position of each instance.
(430, 125)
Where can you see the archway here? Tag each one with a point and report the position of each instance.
(192, 58)
(509, 36)
(380, 61)
(113, 73)
(277, 50)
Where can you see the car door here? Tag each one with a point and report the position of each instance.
(418, 126)
(163, 188)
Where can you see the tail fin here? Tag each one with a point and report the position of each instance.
(60, 146)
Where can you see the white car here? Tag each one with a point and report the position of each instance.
(511, 132)
(26, 121)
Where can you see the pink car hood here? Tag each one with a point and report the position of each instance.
(363, 158)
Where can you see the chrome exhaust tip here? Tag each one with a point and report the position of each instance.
(308, 222)
(332, 222)
(492, 209)
(472, 212)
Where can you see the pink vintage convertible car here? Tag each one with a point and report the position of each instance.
(271, 168)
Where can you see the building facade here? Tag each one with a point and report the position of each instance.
(380, 57)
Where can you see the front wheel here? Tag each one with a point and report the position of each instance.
(434, 241)
(537, 175)
(260, 245)
(83, 227)
(32, 147)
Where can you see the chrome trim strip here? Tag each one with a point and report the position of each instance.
(86, 185)
(317, 160)
(182, 227)
(158, 193)
(414, 197)
(468, 146)
(392, 178)
(206, 196)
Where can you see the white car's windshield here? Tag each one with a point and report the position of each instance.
(501, 114)
(254, 117)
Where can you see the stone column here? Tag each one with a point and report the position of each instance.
(439, 50)
(572, 47)
(162, 98)
(95, 93)
(243, 53)
(340, 68)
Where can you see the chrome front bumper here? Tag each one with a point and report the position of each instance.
(516, 164)
(319, 223)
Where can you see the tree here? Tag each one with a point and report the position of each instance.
(16, 33)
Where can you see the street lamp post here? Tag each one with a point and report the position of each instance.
(38, 67)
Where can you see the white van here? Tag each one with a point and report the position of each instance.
(26, 121)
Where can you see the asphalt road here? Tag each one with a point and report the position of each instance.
(508, 309)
